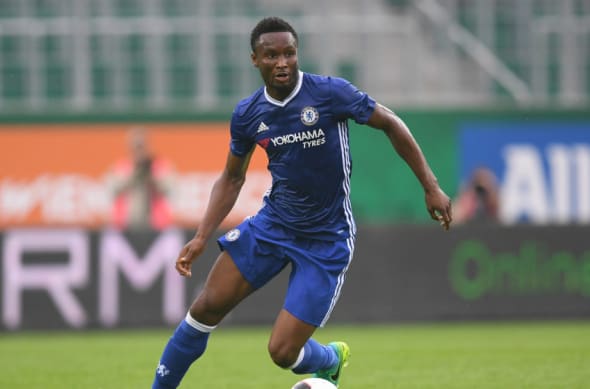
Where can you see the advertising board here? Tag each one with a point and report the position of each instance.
(57, 174)
(543, 168)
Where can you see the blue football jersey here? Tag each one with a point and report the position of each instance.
(306, 140)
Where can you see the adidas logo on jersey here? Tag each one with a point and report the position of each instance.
(262, 127)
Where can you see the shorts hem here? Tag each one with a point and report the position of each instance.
(317, 325)
(233, 254)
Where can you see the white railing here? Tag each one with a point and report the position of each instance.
(420, 54)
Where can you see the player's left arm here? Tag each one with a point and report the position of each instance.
(437, 202)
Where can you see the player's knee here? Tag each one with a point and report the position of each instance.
(282, 354)
(204, 310)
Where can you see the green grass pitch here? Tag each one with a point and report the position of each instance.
(451, 355)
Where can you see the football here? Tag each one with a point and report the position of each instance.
(314, 383)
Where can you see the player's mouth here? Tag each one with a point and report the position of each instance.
(282, 77)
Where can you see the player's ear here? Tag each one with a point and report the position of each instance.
(253, 58)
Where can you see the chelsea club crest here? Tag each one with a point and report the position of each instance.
(232, 235)
(309, 116)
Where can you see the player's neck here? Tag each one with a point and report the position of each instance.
(282, 96)
(279, 95)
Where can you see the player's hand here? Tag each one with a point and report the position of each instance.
(439, 207)
(187, 255)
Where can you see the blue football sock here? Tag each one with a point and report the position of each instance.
(315, 357)
(184, 347)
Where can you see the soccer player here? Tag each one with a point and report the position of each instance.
(300, 120)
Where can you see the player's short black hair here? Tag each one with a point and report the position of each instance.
(270, 24)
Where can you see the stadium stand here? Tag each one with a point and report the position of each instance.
(114, 55)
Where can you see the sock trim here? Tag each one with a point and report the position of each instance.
(298, 360)
(196, 325)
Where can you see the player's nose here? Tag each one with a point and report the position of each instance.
(282, 61)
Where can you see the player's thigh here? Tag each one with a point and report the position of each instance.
(288, 336)
(259, 260)
(224, 288)
(244, 265)
(317, 276)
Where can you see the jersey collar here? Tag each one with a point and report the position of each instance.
(291, 95)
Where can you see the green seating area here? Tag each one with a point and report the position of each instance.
(116, 60)
(518, 29)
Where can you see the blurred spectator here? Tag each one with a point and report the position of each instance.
(478, 200)
(139, 185)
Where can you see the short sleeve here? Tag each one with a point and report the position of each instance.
(240, 143)
(350, 102)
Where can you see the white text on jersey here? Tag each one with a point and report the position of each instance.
(309, 138)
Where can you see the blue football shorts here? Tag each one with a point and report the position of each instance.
(318, 267)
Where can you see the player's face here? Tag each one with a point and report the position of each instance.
(276, 58)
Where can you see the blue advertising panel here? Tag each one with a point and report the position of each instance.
(543, 168)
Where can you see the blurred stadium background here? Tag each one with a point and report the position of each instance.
(500, 84)
(120, 55)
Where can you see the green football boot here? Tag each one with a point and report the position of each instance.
(333, 374)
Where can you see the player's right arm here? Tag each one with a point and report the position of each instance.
(437, 202)
(221, 201)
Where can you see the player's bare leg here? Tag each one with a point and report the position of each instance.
(292, 347)
(288, 336)
(224, 289)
